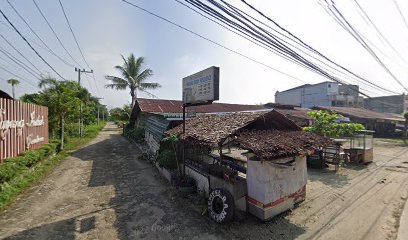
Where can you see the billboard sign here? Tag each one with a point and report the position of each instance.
(202, 87)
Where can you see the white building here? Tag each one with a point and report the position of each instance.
(321, 94)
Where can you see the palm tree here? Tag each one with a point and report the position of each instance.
(133, 77)
(13, 82)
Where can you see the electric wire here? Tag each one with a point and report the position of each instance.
(351, 30)
(311, 65)
(205, 8)
(18, 76)
(19, 63)
(209, 40)
(400, 13)
(297, 39)
(77, 44)
(38, 37)
(22, 55)
(377, 30)
(54, 33)
(28, 43)
(73, 34)
(281, 47)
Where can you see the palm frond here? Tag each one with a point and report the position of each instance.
(142, 77)
(115, 86)
(152, 86)
(117, 83)
(123, 71)
(13, 81)
(138, 65)
(47, 82)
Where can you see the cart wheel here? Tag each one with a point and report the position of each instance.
(221, 205)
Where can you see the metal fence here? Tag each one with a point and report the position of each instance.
(23, 126)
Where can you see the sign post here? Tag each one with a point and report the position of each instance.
(201, 88)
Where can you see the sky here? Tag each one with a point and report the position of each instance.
(105, 29)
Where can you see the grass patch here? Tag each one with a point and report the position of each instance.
(17, 174)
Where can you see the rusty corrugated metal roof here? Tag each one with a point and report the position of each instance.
(176, 106)
(276, 144)
(214, 128)
(363, 113)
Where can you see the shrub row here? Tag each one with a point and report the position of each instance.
(15, 166)
(136, 134)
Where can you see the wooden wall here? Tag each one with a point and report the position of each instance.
(15, 140)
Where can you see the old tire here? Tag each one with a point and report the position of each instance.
(221, 205)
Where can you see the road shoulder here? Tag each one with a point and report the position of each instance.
(403, 226)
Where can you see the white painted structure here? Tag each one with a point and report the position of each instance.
(275, 188)
(320, 94)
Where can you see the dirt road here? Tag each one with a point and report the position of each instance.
(104, 192)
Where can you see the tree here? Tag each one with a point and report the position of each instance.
(133, 77)
(120, 114)
(61, 98)
(13, 82)
(326, 124)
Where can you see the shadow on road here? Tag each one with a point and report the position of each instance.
(146, 207)
(328, 177)
(64, 229)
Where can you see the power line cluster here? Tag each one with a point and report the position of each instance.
(278, 40)
(28, 66)
(339, 17)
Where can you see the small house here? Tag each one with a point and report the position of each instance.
(258, 158)
(156, 116)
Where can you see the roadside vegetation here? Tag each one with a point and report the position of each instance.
(63, 99)
(120, 115)
(23, 171)
(327, 124)
(132, 78)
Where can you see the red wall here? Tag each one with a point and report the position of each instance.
(13, 144)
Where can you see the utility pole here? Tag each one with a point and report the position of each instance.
(98, 109)
(80, 122)
(103, 115)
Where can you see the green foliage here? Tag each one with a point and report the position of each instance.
(92, 131)
(13, 166)
(120, 114)
(167, 159)
(136, 134)
(405, 114)
(325, 123)
(63, 99)
(19, 173)
(132, 77)
(13, 82)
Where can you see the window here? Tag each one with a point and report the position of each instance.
(329, 86)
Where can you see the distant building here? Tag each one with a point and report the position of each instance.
(384, 124)
(321, 94)
(388, 104)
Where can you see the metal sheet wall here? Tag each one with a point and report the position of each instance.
(14, 143)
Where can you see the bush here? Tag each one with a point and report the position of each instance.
(326, 124)
(14, 166)
(92, 131)
(136, 134)
(167, 159)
